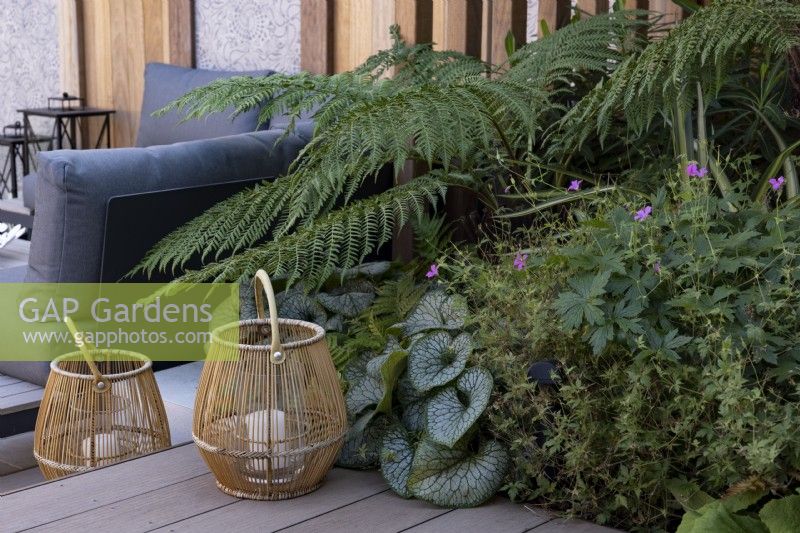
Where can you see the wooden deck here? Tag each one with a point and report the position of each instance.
(173, 491)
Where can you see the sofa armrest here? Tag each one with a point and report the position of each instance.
(73, 189)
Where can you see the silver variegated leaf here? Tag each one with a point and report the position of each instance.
(349, 304)
(363, 393)
(452, 411)
(397, 454)
(294, 303)
(457, 477)
(374, 366)
(362, 443)
(406, 393)
(247, 302)
(377, 268)
(356, 368)
(335, 323)
(437, 358)
(413, 416)
(436, 310)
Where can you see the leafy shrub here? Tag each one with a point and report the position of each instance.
(414, 408)
(676, 336)
(742, 510)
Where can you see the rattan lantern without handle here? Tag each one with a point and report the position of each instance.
(269, 414)
(99, 407)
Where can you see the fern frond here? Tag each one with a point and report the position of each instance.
(339, 240)
(702, 49)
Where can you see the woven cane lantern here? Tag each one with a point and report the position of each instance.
(99, 407)
(269, 415)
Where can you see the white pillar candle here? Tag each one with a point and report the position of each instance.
(106, 446)
(265, 427)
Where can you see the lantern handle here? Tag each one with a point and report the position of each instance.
(263, 285)
(101, 383)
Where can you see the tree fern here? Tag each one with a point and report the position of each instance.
(340, 239)
(702, 49)
(444, 109)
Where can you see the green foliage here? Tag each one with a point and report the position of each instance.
(420, 422)
(445, 110)
(675, 340)
(704, 49)
(741, 511)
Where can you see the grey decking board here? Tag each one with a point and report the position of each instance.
(340, 489)
(499, 515)
(561, 525)
(76, 494)
(383, 512)
(150, 510)
(174, 489)
(21, 402)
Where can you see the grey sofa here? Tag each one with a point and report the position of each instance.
(72, 189)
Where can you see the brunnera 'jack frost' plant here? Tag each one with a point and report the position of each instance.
(414, 410)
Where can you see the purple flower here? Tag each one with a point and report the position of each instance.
(657, 267)
(507, 189)
(777, 183)
(693, 170)
(642, 213)
(433, 272)
(520, 261)
(574, 185)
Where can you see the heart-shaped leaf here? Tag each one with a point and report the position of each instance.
(436, 310)
(406, 393)
(349, 304)
(437, 359)
(356, 368)
(452, 411)
(397, 455)
(413, 416)
(374, 366)
(373, 269)
(294, 303)
(457, 478)
(362, 443)
(335, 324)
(363, 393)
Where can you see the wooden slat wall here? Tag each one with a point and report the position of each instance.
(359, 28)
(118, 37)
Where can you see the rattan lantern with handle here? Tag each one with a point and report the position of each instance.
(99, 407)
(269, 415)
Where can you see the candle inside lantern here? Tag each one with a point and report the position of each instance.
(266, 432)
(106, 446)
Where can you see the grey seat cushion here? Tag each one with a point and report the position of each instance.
(29, 191)
(74, 186)
(165, 83)
(30, 371)
(13, 275)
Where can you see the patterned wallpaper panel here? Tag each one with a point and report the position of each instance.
(29, 60)
(248, 34)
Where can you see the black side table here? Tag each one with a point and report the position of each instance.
(16, 147)
(65, 126)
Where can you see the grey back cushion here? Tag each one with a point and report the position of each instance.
(73, 188)
(164, 84)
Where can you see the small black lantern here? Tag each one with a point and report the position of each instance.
(14, 130)
(65, 102)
